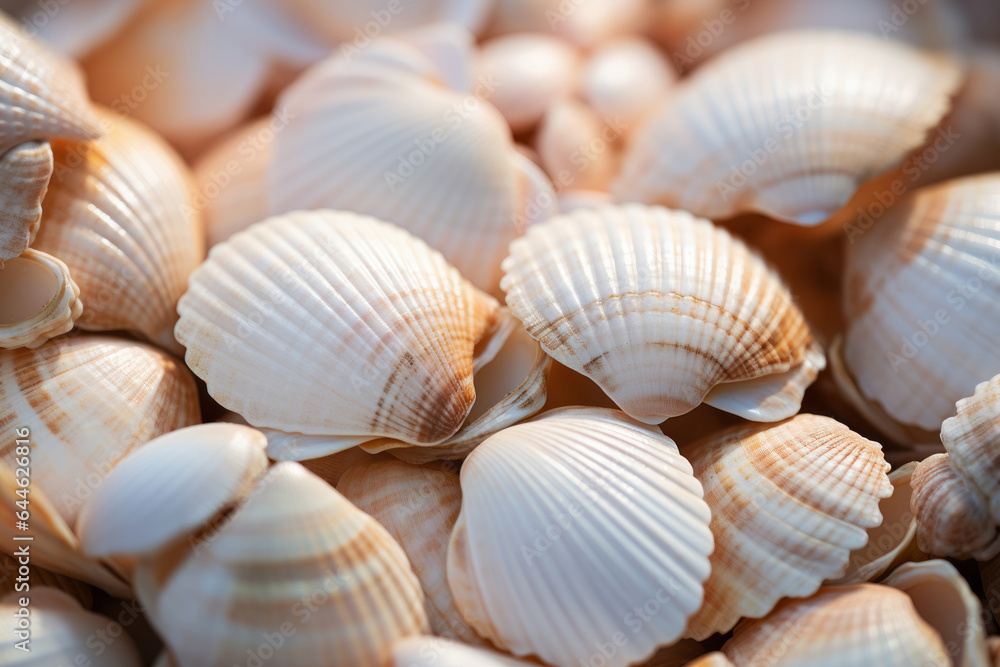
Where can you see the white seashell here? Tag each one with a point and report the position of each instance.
(424, 651)
(587, 24)
(608, 293)
(155, 495)
(528, 73)
(61, 633)
(569, 523)
(922, 297)
(626, 79)
(24, 175)
(577, 148)
(397, 327)
(751, 130)
(38, 300)
(789, 503)
(119, 212)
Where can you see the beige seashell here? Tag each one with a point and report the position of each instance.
(577, 148)
(24, 175)
(332, 467)
(9, 566)
(587, 24)
(88, 401)
(426, 651)
(155, 495)
(297, 556)
(397, 325)
(750, 131)
(418, 505)
(607, 293)
(864, 624)
(352, 23)
(568, 523)
(922, 294)
(61, 633)
(789, 502)
(531, 72)
(943, 598)
(119, 213)
(38, 300)
(42, 96)
(626, 79)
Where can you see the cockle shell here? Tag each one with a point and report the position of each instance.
(423, 651)
(626, 79)
(448, 172)
(38, 300)
(42, 95)
(60, 632)
(751, 130)
(87, 402)
(864, 624)
(297, 563)
(24, 175)
(528, 72)
(119, 212)
(922, 297)
(418, 505)
(789, 503)
(577, 148)
(392, 330)
(609, 293)
(568, 524)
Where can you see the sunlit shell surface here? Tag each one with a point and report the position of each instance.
(24, 175)
(439, 652)
(38, 300)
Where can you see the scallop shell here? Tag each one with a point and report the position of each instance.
(42, 96)
(789, 503)
(120, 214)
(38, 300)
(155, 495)
(60, 632)
(568, 523)
(422, 651)
(384, 329)
(626, 80)
(419, 506)
(88, 401)
(448, 172)
(864, 624)
(297, 563)
(577, 148)
(972, 438)
(24, 174)
(752, 130)
(922, 296)
(608, 293)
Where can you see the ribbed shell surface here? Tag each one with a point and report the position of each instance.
(24, 176)
(972, 438)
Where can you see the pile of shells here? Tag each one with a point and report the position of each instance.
(485, 333)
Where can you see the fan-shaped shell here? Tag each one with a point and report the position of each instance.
(661, 309)
(120, 214)
(424, 651)
(298, 554)
(789, 503)
(972, 438)
(38, 300)
(568, 524)
(755, 129)
(24, 175)
(332, 323)
(864, 624)
(447, 172)
(87, 402)
(922, 297)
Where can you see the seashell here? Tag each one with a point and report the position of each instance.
(529, 72)
(38, 300)
(576, 147)
(573, 200)
(864, 624)
(658, 330)
(155, 496)
(397, 326)
(88, 401)
(77, 590)
(418, 505)
(352, 23)
(426, 651)
(749, 131)
(332, 467)
(42, 96)
(943, 598)
(587, 496)
(626, 79)
(922, 293)
(61, 633)
(713, 659)
(891, 543)
(587, 24)
(989, 572)
(120, 214)
(789, 502)
(298, 554)
(81, 26)
(446, 143)
(24, 174)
